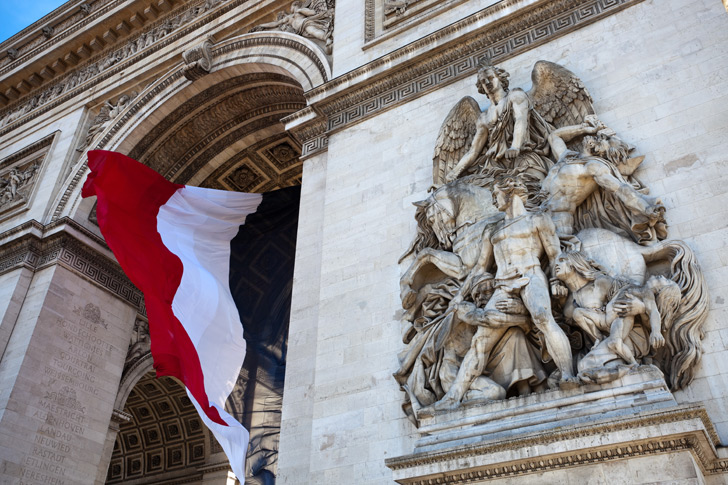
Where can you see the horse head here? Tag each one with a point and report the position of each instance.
(454, 206)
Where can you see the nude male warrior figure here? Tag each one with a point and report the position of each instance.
(515, 246)
(602, 164)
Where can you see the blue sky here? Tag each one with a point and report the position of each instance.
(16, 15)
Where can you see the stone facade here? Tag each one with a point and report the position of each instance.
(346, 100)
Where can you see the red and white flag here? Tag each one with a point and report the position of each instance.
(174, 243)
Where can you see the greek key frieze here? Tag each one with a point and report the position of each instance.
(36, 252)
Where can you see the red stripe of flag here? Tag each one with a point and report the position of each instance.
(129, 196)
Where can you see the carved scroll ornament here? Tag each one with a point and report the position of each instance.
(198, 60)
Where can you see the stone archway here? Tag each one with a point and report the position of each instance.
(164, 438)
(223, 131)
(226, 136)
(270, 53)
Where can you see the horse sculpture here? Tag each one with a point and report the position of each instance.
(450, 227)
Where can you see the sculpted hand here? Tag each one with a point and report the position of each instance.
(452, 175)
(591, 120)
(559, 289)
(656, 340)
(512, 153)
(629, 305)
(511, 306)
(598, 125)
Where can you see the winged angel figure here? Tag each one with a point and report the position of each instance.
(575, 179)
(511, 136)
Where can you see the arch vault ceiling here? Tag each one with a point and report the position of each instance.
(229, 136)
(165, 436)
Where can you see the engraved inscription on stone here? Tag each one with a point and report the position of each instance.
(69, 379)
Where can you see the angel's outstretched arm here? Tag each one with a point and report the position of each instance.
(559, 137)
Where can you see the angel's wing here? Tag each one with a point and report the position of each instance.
(558, 95)
(317, 5)
(455, 137)
(103, 116)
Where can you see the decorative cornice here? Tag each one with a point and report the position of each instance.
(369, 20)
(273, 41)
(120, 416)
(447, 56)
(215, 467)
(55, 94)
(32, 148)
(73, 23)
(313, 146)
(309, 129)
(699, 442)
(65, 242)
(415, 12)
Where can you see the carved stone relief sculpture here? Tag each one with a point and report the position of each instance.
(19, 174)
(313, 19)
(395, 7)
(15, 184)
(539, 260)
(17, 180)
(139, 346)
(108, 112)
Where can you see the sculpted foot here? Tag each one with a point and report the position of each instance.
(568, 383)
(444, 404)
